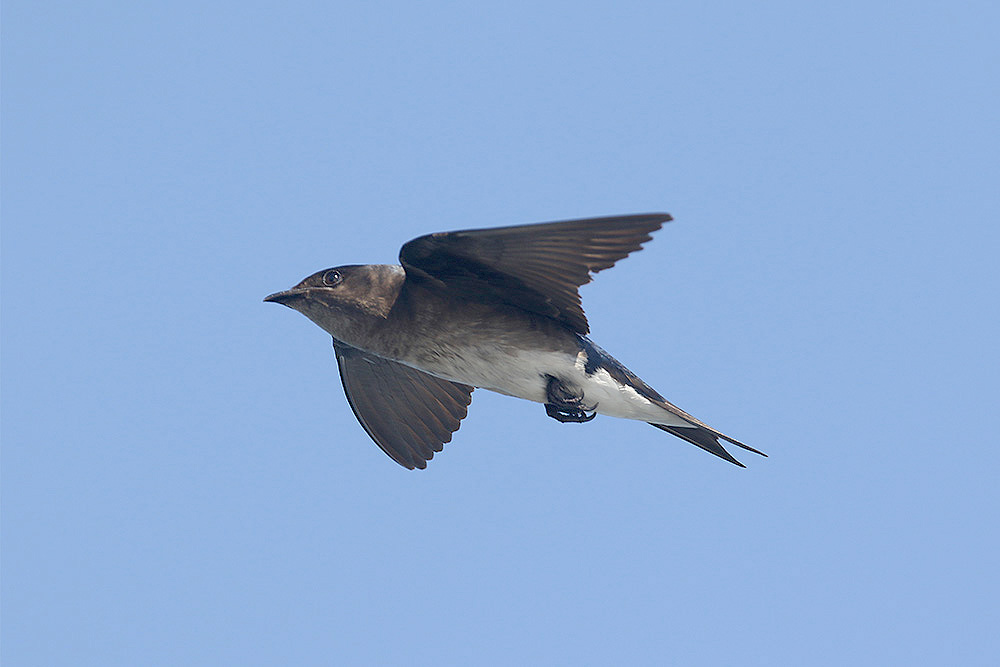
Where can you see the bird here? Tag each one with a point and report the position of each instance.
(496, 308)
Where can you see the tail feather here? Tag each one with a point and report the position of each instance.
(707, 440)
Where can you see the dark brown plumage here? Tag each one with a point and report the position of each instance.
(494, 308)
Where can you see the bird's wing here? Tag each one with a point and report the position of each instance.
(408, 413)
(534, 267)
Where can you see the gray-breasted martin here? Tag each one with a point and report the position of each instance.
(492, 308)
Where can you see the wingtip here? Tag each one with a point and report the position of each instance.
(657, 218)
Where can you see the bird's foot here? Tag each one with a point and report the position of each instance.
(564, 415)
(565, 403)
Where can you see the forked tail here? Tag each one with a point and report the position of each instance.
(708, 440)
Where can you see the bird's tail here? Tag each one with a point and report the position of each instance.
(707, 439)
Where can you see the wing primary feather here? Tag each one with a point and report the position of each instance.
(409, 414)
(536, 267)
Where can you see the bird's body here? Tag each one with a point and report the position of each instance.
(491, 309)
(511, 351)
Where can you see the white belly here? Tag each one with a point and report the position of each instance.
(523, 374)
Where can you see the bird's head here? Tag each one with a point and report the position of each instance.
(346, 300)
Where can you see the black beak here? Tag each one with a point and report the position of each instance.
(287, 297)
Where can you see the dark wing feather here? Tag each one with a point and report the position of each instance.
(408, 413)
(535, 267)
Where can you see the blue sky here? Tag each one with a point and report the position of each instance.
(183, 481)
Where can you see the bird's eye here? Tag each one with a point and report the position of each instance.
(331, 278)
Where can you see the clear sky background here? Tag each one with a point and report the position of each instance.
(184, 481)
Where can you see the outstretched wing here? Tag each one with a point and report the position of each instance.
(535, 267)
(408, 413)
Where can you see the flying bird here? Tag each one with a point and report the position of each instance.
(497, 309)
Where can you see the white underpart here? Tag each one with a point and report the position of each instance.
(521, 373)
